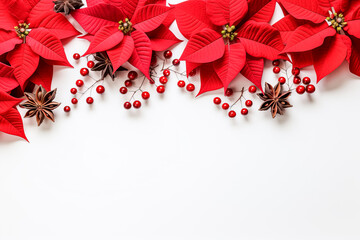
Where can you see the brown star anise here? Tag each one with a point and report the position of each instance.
(66, 6)
(275, 99)
(40, 104)
(104, 65)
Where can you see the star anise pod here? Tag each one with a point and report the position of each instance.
(104, 65)
(275, 99)
(66, 6)
(40, 104)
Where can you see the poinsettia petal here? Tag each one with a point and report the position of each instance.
(306, 10)
(128, 6)
(260, 10)
(355, 56)
(38, 8)
(92, 19)
(303, 59)
(204, 47)
(88, 37)
(7, 78)
(353, 28)
(191, 67)
(56, 23)
(105, 39)
(11, 123)
(150, 17)
(223, 12)
(261, 40)
(120, 54)
(8, 21)
(287, 26)
(91, 3)
(141, 56)
(46, 45)
(7, 102)
(209, 79)
(162, 38)
(8, 41)
(43, 75)
(17, 8)
(253, 70)
(24, 61)
(191, 17)
(308, 37)
(329, 56)
(230, 65)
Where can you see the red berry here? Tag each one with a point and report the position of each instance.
(300, 89)
(225, 106)
(181, 84)
(100, 89)
(84, 71)
(67, 109)
(132, 75)
(137, 104)
(276, 63)
(153, 60)
(232, 114)
(276, 70)
(127, 105)
(163, 80)
(74, 101)
(90, 100)
(166, 72)
(229, 92)
(217, 101)
(282, 80)
(79, 83)
(297, 80)
(76, 56)
(190, 87)
(167, 54)
(310, 88)
(160, 89)
(306, 80)
(244, 111)
(73, 90)
(176, 62)
(295, 71)
(128, 83)
(145, 95)
(90, 64)
(252, 89)
(192, 73)
(123, 90)
(248, 103)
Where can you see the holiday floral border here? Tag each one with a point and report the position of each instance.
(224, 39)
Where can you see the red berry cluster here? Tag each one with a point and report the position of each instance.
(301, 89)
(226, 106)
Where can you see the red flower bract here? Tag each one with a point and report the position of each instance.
(227, 37)
(322, 33)
(30, 34)
(128, 30)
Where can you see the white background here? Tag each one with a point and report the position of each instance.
(179, 168)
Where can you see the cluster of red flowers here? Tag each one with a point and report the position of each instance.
(225, 39)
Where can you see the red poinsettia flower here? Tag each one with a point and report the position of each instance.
(10, 119)
(226, 38)
(322, 33)
(128, 30)
(30, 31)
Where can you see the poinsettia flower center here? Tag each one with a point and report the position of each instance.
(22, 30)
(336, 20)
(126, 26)
(229, 32)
